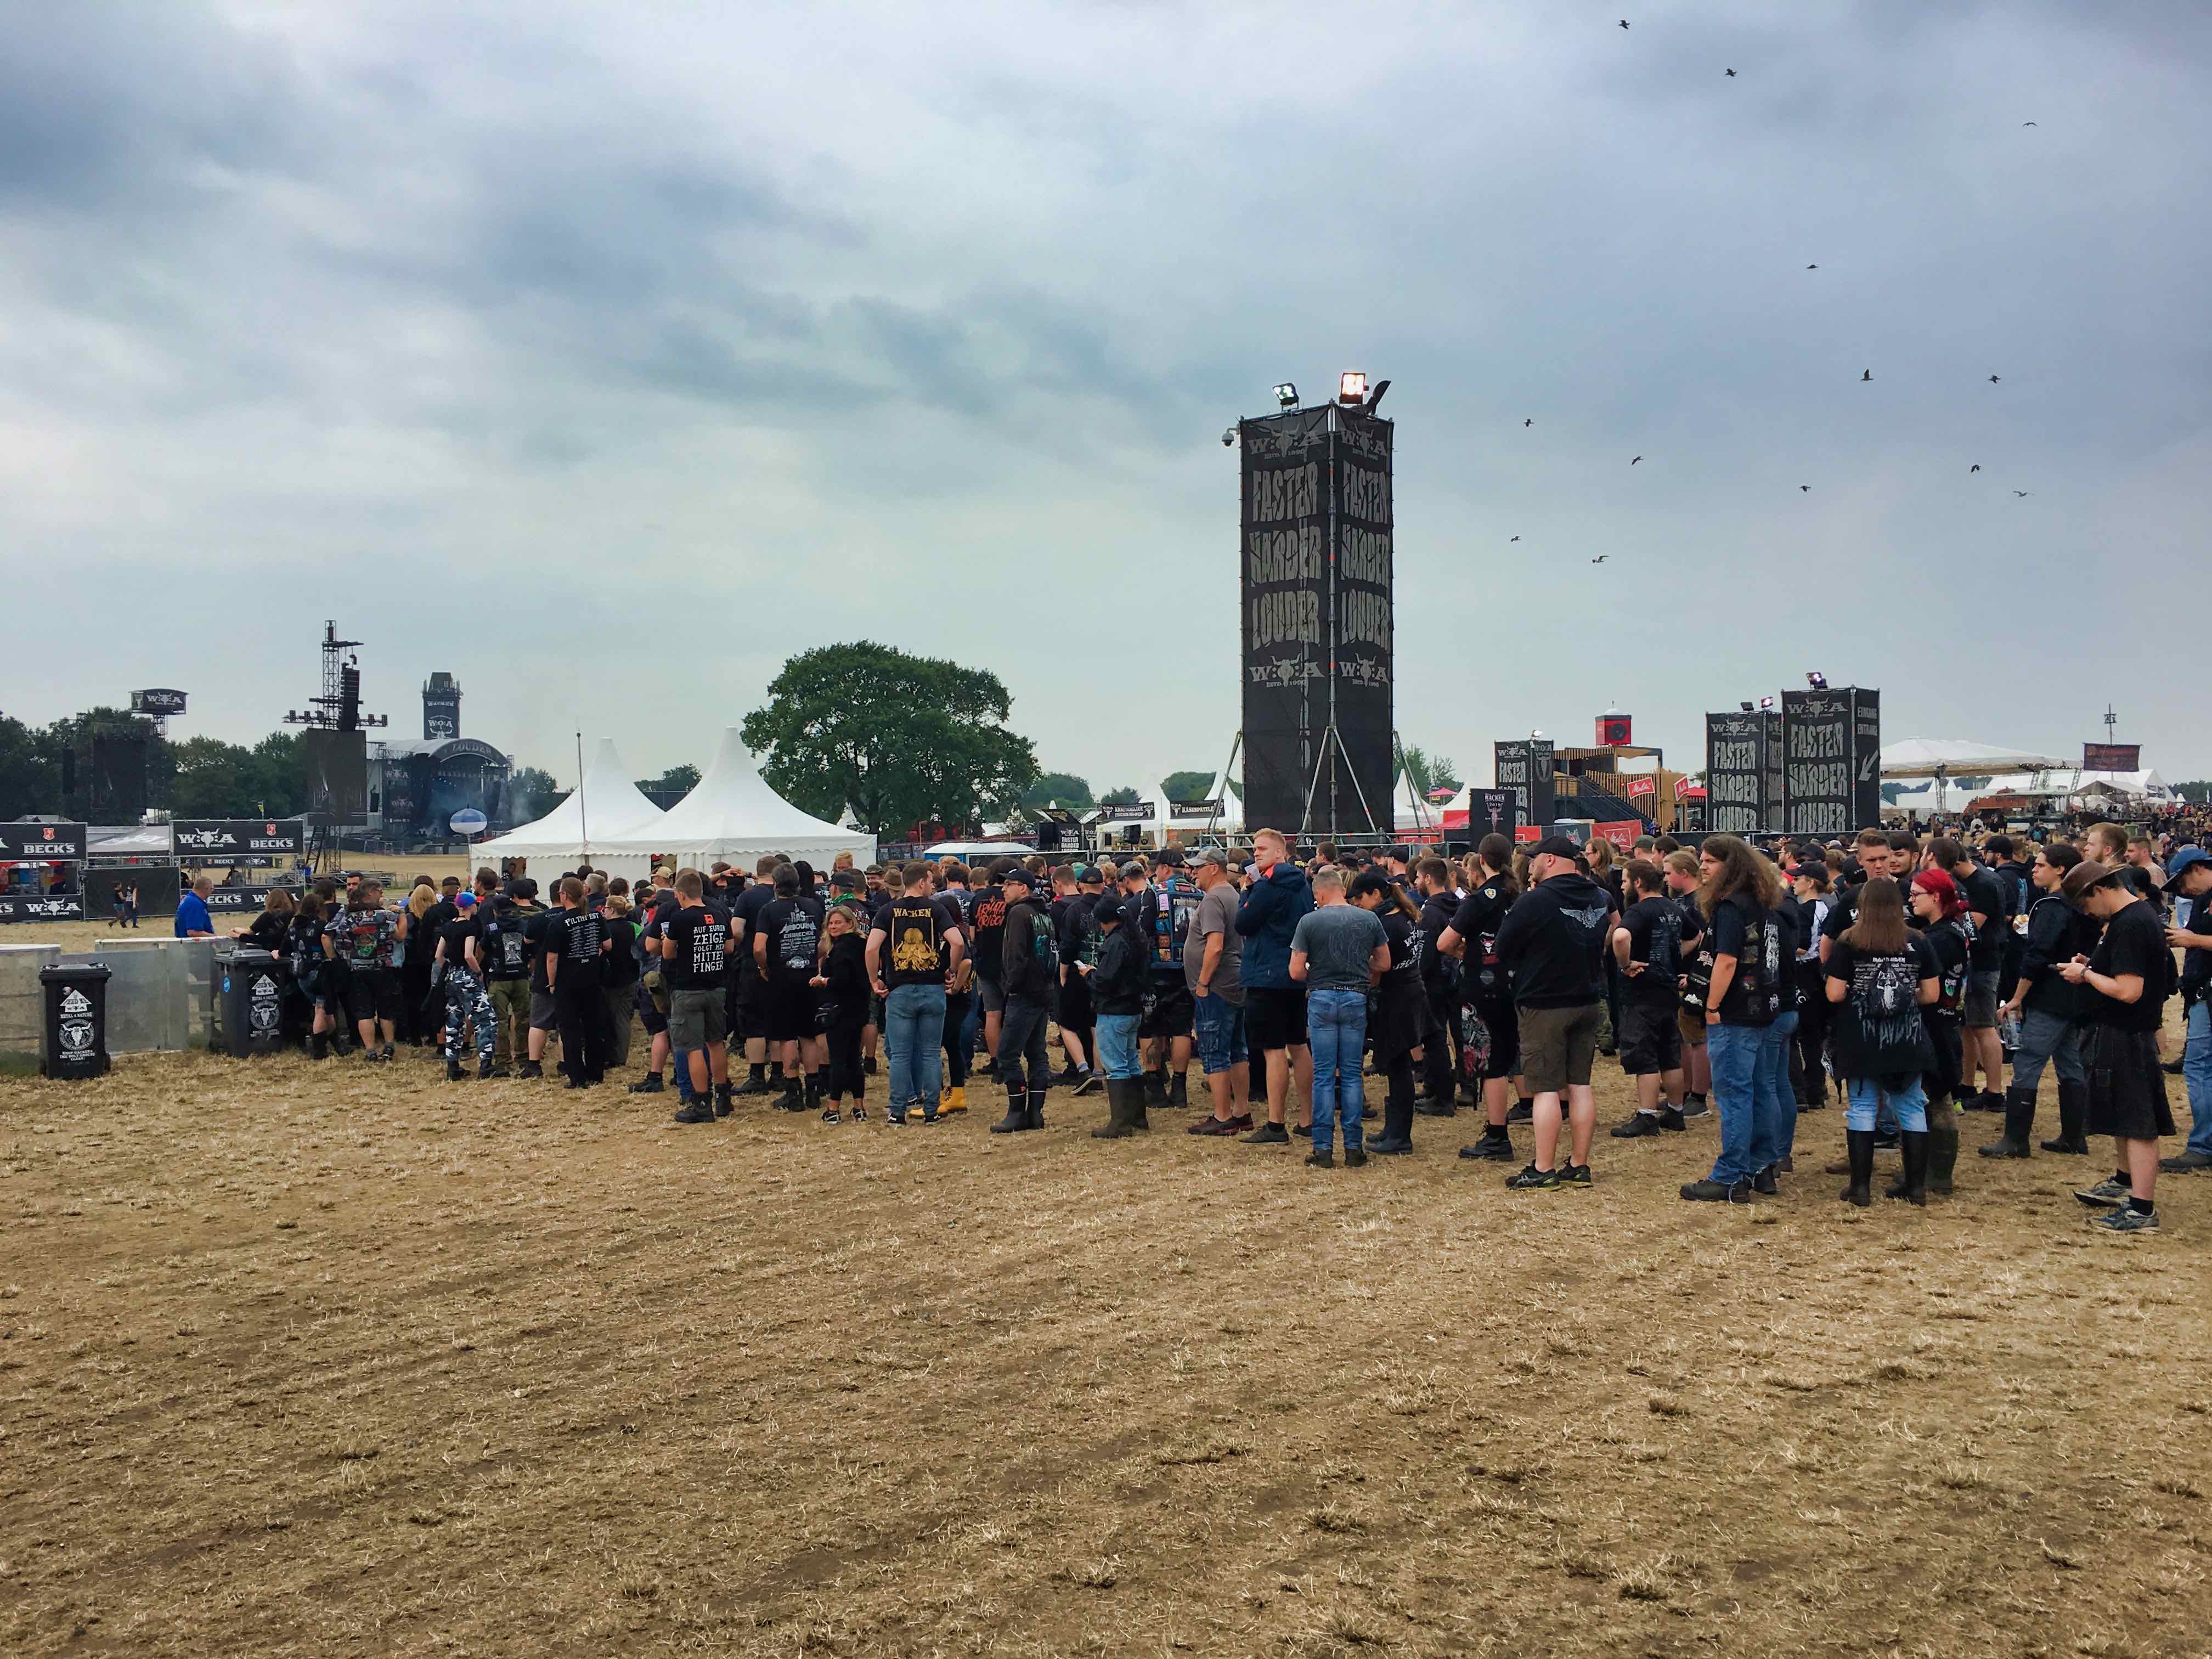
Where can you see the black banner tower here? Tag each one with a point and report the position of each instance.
(1317, 616)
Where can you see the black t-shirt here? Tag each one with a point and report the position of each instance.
(1984, 893)
(455, 936)
(436, 921)
(1745, 929)
(574, 937)
(1437, 912)
(792, 928)
(619, 967)
(1949, 958)
(693, 958)
(1655, 939)
(915, 950)
(744, 911)
(1879, 1030)
(1476, 922)
(537, 928)
(2134, 942)
(990, 912)
(503, 944)
(1403, 935)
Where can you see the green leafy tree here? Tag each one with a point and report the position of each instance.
(1430, 771)
(2198, 791)
(1187, 786)
(213, 779)
(903, 739)
(30, 781)
(679, 781)
(531, 794)
(74, 736)
(1124, 796)
(276, 787)
(1059, 789)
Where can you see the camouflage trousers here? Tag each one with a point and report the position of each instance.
(466, 1002)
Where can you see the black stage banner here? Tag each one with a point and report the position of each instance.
(1524, 768)
(226, 901)
(1866, 756)
(1127, 811)
(31, 844)
(1816, 738)
(160, 701)
(15, 908)
(1283, 599)
(1732, 774)
(1771, 804)
(1493, 812)
(212, 838)
(1362, 644)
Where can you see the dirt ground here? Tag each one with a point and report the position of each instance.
(300, 1359)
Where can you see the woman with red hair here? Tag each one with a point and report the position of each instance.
(1941, 909)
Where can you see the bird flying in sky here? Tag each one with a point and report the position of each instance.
(1634, 460)
(1528, 423)
(1807, 489)
(1512, 538)
(1731, 75)
(1993, 380)
(1868, 375)
(2022, 492)
(1976, 467)
(1601, 558)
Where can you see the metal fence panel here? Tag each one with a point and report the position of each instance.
(22, 1000)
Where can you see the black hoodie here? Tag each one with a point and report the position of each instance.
(1552, 941)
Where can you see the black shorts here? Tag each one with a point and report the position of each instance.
(1075, 1004)
(1168, 1010)
(1489, 1040)
(372, 993)
(1651, 1037)
(789, 1007)
(2127, 1085)
(650, 1011)
(1275, 1017)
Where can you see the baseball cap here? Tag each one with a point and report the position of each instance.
(1214, 856)
(1016, 877)
(1556, 847)
(2181, 861)
(1403, 854)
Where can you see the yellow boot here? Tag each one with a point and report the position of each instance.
(954, 1098)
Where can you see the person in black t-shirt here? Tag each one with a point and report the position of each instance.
(577, 941)
(2128, 978)
(1986, 915)
(459, 964)
(785, 940)
(1647, 950)
(1742, 998)
(1683, 877)
(749, 990)
(694, 942)
(619, 975)
(915, 947)
(1432, 886)
(1489, 1030)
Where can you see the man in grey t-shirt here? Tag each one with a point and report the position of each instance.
(1212, 960)
(1337, 951)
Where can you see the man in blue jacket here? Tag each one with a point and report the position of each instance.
(1275, 1003)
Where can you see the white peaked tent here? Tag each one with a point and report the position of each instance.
(1918, 758)
(1410, 809)
(608, 805)
(732, 814)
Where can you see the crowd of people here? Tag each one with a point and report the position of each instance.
(1731, 981)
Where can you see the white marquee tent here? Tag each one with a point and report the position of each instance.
(732, 814)
(608, 806)
(1918, 758)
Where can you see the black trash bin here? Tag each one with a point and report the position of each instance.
(75, 1045)
(252, 992)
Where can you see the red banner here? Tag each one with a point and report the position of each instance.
(1623, 834)
(1642, 786)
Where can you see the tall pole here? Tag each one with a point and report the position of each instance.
(583, 823)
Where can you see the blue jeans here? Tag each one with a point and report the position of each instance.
(1734, 1052)
(914, 1026)
(1219, 1028)
(1909, 1103)
(2197, 1073)
(1774, 1129)
(1117, 1046)
(1336, 1028)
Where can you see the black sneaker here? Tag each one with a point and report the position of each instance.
(1354, 1159)
(1321, 1158)
(829, 1114)
(723, 1104)
(1671, 1119)
(859, 1113)
(650, 1084)
(1694, 1106)
(1637, 1128)
(529, 1068)
(1086, 1082)
(1710, 1191)
(1574, 1175)
(1497, 1149)
(756, 1085)
(894, 1117)
(1533, 1179)
(2108, 1193)
(1520, 1111)
(2186, 1163)
(1764, 1182)
(483, 1071)
(696, 1112)
(929, 1114)
(1268, 1134)
(1428, 1106)
(2127, 1221)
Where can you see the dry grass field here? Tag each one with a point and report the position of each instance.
(307, 1360)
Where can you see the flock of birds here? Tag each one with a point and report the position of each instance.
(1866, 377)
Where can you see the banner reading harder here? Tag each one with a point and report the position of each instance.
(1770, 767)
(1362, 623)
(1524, 768)
(1817, 771)
(1284, 584)
(1866, 758)
(1734, 784)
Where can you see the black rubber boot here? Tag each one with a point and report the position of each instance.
(483, 1071)
(2019, 1118)
(1911, 1185)
(1018, 1112)
(1179, 1091)
(1943, 1146)
(1397, 1120)
(319, 1047)
(1156, 1088)
(1121, 1115)
(1035, 1118)
(452, 1071)
(1859, 1146)
(2070, 1138)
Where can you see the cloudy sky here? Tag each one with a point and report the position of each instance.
(607, 356)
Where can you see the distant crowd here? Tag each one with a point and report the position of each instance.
(1731, 982)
